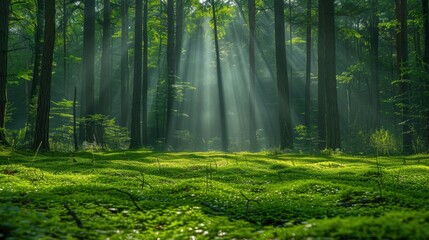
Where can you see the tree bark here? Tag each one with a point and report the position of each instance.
(145, 139)
(88, 67)
(308, 69)
(252, 78)
(171, 78)
(286, 138)
(222, 111)
(374, 39)
(4, 36)
(41, 137)
(124, 64)
(328, 104)
(402, 59)
(137, 86)
(426, 62)
(105, 100)
(75, 140)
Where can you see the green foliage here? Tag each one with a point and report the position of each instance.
(383, 142)
(145, 194)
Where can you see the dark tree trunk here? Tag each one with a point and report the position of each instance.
(286, 139)
(124, 64)
(308, 69)
(426, 63)
(375, 101)
(179, 33)
(404, 87)
(65, 48)
(321, 79)
(88, 67)
(75, 141)
(105, 100)
(4, 36)
(38, 49)
(145, 139)
(41, 137)
(222, 111)
(136, 141)
(328, 103)
(252, 78)
(171, 78)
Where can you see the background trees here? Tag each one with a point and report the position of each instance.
(204, 74)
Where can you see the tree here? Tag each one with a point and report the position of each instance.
(374, 39)
(136, 141)
(328, 119)
(4, 36)
(332, 115)
(106, 64)
(171, 65)
(402, 59)
(252, 77)
(308, 68)
(222, 111)
(426, 60)
(88, 106)
(145, 75)
(41, 137)
(286, 139)
(124, 63)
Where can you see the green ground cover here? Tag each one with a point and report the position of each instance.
(151, 195)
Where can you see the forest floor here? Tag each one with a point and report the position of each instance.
(152, 195)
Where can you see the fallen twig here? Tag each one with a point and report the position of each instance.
(74, 216)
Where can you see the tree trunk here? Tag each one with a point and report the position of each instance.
(308, 69)
(179, 33)
(38, 49)
(286, 139)
(76, 144)
(252, 78)
(137, 86)
(145, 135)
(4, 33)
(124, 64)
(426, 63)
(321, 79)
(375, 101)
(222, 111)
(329, 124)
(404, 87)
(88, 67)
(41, 137)
(171, 79)
(105, 100)
(65, 48)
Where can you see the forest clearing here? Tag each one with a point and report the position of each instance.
(212, 195)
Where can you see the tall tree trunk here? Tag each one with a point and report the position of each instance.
(426, 63)
(329, 123)
(308, 69)
(375, 101)
(38, 49)
(88, 67)
(286, 139)
(321, 79)
(136, 141)
(124, 64)
(171, 79)
(145, 135)
(4, 36)
(65, 48)
(41, 137)
(179, 33)
(105, 100)
(252, 77)
(75, 140)
(404, 86)
(332, 115)
(222, 110)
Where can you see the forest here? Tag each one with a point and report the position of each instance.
(214, 119)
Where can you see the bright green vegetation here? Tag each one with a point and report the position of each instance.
(150, 195)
